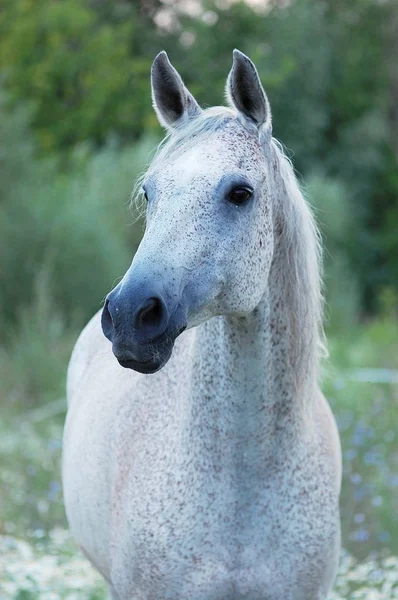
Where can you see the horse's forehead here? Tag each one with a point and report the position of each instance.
(203, 159)
(210, 158)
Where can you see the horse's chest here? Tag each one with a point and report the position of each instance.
(188, 529)
(211, 554)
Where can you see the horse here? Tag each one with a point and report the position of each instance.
(201, 460)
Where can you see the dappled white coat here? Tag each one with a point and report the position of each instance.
(217, 477)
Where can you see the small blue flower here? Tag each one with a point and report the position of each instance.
(356, 478)
(384, 537)
(377, 501)
(53, 491)
(359, 518)
(393, 480)
(54, 444)
(360, 535)
(360, 494)
(351, 454)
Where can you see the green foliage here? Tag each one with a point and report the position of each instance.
(75, 68)
(72, 225)
(53, 570)
(365, 414)
(16, 148)
(40, 347)
(329, 199)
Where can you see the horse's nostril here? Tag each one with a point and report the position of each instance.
(151, 314)
(106, 320)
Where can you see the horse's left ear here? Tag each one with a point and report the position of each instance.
(245, 92)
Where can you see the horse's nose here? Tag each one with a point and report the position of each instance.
(147, 317)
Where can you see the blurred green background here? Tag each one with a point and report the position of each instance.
(76, 129)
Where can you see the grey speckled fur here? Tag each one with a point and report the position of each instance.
(218, 477)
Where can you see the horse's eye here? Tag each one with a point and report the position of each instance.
(240, 195)
(145, 195)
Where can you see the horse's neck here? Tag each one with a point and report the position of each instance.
(245, 399)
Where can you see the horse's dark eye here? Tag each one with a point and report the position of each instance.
(240, 195)
(145, 195)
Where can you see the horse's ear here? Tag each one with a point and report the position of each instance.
(245, 92)
(173, 103)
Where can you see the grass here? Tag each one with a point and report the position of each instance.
(47, 570)
(366, 416)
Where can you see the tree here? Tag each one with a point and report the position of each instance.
(75, 68)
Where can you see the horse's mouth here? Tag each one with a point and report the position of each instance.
(158, 360)
(147, 367)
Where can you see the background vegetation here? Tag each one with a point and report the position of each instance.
(77, 127)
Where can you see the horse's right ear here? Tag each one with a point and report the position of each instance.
(173, 103)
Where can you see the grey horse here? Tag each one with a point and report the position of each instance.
(201, 461)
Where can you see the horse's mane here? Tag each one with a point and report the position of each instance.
(301, 252)
(299, 240)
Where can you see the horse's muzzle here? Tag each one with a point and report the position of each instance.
(141, 327)
(146, 358)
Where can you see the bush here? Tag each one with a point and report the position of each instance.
(73, 224)
(76, 68)
(329, 199)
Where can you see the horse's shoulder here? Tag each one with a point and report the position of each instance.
(90, 342)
